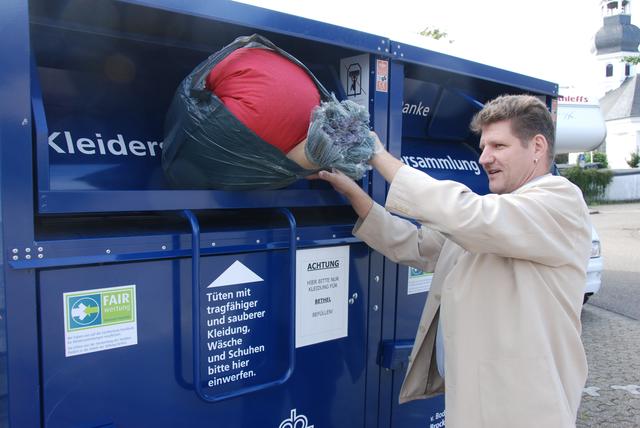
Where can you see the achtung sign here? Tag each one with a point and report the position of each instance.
(322, 294)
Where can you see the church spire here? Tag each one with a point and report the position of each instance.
(616, 39)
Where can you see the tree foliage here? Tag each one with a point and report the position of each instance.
(592, 182)
(632, 59)
(601, 158)
(434, 33)
(634, 160)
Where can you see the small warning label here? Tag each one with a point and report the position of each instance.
(382, 75)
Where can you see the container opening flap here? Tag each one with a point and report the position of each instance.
(105, 96)
(434, 111)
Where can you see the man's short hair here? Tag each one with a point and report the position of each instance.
(529, 117)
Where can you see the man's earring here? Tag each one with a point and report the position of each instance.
(535, 161)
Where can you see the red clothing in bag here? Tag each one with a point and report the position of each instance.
(269, 94)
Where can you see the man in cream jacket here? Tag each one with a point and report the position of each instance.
(509, 271)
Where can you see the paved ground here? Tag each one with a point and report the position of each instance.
(612, 394)
(611, 325)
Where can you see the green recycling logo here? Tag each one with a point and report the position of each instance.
(97, 308)
(85, 311)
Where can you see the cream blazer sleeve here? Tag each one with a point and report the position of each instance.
(399, 239)
(537, 222)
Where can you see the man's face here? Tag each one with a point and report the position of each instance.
(506, 161)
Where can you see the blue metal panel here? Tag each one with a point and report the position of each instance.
(387, 397)
(78, 252)
(451, 64)
(148, 384)
(379, 106)
(173, 200)
(420, 412)
(268, 20)
(19, 370)
(396, 101)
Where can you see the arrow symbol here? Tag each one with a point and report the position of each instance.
(82, 311)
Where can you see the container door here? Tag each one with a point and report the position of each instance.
(117, 341)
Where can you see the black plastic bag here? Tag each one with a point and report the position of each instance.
(205, 146)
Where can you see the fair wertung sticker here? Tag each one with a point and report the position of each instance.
(418, 281)
(99, 319)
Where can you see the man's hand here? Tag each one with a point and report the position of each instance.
(358, 198)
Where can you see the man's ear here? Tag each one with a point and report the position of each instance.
(540, 146)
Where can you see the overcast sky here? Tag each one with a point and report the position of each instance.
(548, 39)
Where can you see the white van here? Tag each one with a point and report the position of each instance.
(580, 127)
(594, 270)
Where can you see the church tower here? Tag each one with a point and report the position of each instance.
(616, 39)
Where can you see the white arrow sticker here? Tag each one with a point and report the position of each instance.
(235, 274)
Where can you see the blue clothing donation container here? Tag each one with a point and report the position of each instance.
(126, 303)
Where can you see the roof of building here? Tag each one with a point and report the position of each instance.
(617, 34)
(623, 102)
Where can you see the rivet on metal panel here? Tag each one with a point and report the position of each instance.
(351, 301)
(213, 244)
(333, 236)
(14, 251)
(25, 122)
(14, 258)
(297, 238)
(377, 278)
(383, 41)
(402, 55)
(164, 247)
(40, 249)
(355, 295)
(395, 53)
(398, 46)
(386, 50)
(257, 241)
(375, 308)
(108, 251)
(379, 48)
(28, 257)
(27, 250)
(40, 256)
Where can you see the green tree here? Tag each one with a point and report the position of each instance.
(592, 182)
(601, 158)
(434, 33)
(632, 59)
(634, 161)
